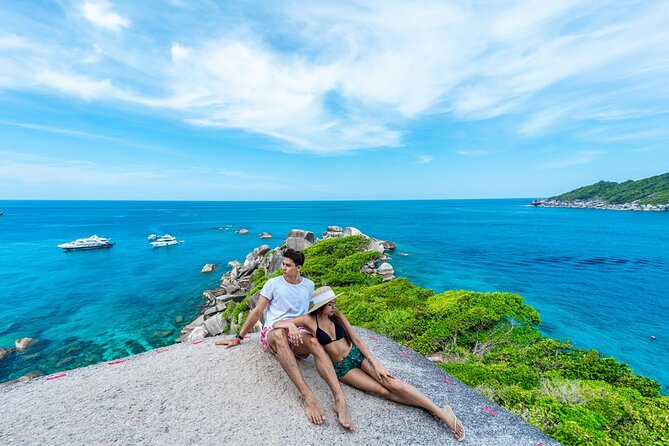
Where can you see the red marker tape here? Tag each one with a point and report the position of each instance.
(198, 342)
(407, 355)
(162, 350)
(373, 338)
(56, 376)
(489, 411)
(540, 444)
(116, 362)
(444, 380)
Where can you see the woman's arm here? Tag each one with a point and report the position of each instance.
(291, 325)
(300, 321)
(379, 369)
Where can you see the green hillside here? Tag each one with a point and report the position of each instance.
(492, 342)
(653, 190)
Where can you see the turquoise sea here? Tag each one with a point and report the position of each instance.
(597, 277)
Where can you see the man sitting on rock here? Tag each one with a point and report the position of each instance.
(287, 297)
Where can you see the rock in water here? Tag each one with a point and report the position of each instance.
(4, 352)
(22, 344)
(209, 267)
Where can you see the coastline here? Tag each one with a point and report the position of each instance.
(372, 303)
(598, 204)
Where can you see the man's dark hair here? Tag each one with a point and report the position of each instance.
(295, 256)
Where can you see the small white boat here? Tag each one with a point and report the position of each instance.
(165, 240)
(152, 237)
(92, 242)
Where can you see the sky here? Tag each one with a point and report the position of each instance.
(290, 100)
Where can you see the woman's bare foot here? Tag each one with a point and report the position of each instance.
(342, 415)
(314, 412)
(448, 417)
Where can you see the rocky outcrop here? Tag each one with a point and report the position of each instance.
(298, 244)
(265, 235)
(333, 232)
(300, 233)
(598, 204)
(388, 245)
(299, 239)
(352, 231)
(386, 271)
(23, 379)
(236, 284)
(242, 231)
(374, 245)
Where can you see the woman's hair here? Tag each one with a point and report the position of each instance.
(337, 318)
(295, 256)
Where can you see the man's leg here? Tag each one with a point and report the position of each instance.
(327, 372)
(278, 340)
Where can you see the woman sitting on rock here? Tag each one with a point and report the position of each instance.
(354, 363)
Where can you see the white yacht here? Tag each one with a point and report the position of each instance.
(165, 240)
(92, 242)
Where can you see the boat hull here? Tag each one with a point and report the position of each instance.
(86, 248)
(161, 244)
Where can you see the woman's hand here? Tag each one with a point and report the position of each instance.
(294, 334)
(381, 372)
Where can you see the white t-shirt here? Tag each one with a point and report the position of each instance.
(285, 299)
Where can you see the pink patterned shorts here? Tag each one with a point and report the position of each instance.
(265, 345)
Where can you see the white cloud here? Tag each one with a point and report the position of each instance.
(472, 153)
(238, 174)
(583, 157)
(179, 51)
(425, 159)
(42, 172)
(542, 120)
(76, 85)
(348, 76)
(99, 13)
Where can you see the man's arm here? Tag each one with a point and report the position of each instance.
(253, 317)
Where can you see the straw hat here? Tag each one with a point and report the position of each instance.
(322, 296)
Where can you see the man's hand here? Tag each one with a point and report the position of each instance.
(228, 342)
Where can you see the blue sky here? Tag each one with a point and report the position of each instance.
(229, 100)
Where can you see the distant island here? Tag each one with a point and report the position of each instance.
(648, 194)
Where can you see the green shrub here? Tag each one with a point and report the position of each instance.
(492, 342)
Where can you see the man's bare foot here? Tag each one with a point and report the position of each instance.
(342, 415)
(314, 412)
(448, 417)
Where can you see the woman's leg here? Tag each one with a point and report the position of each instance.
(401, 392)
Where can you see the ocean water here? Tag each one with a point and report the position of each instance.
(598, 278)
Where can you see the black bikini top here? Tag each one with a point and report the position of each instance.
(324, 338)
